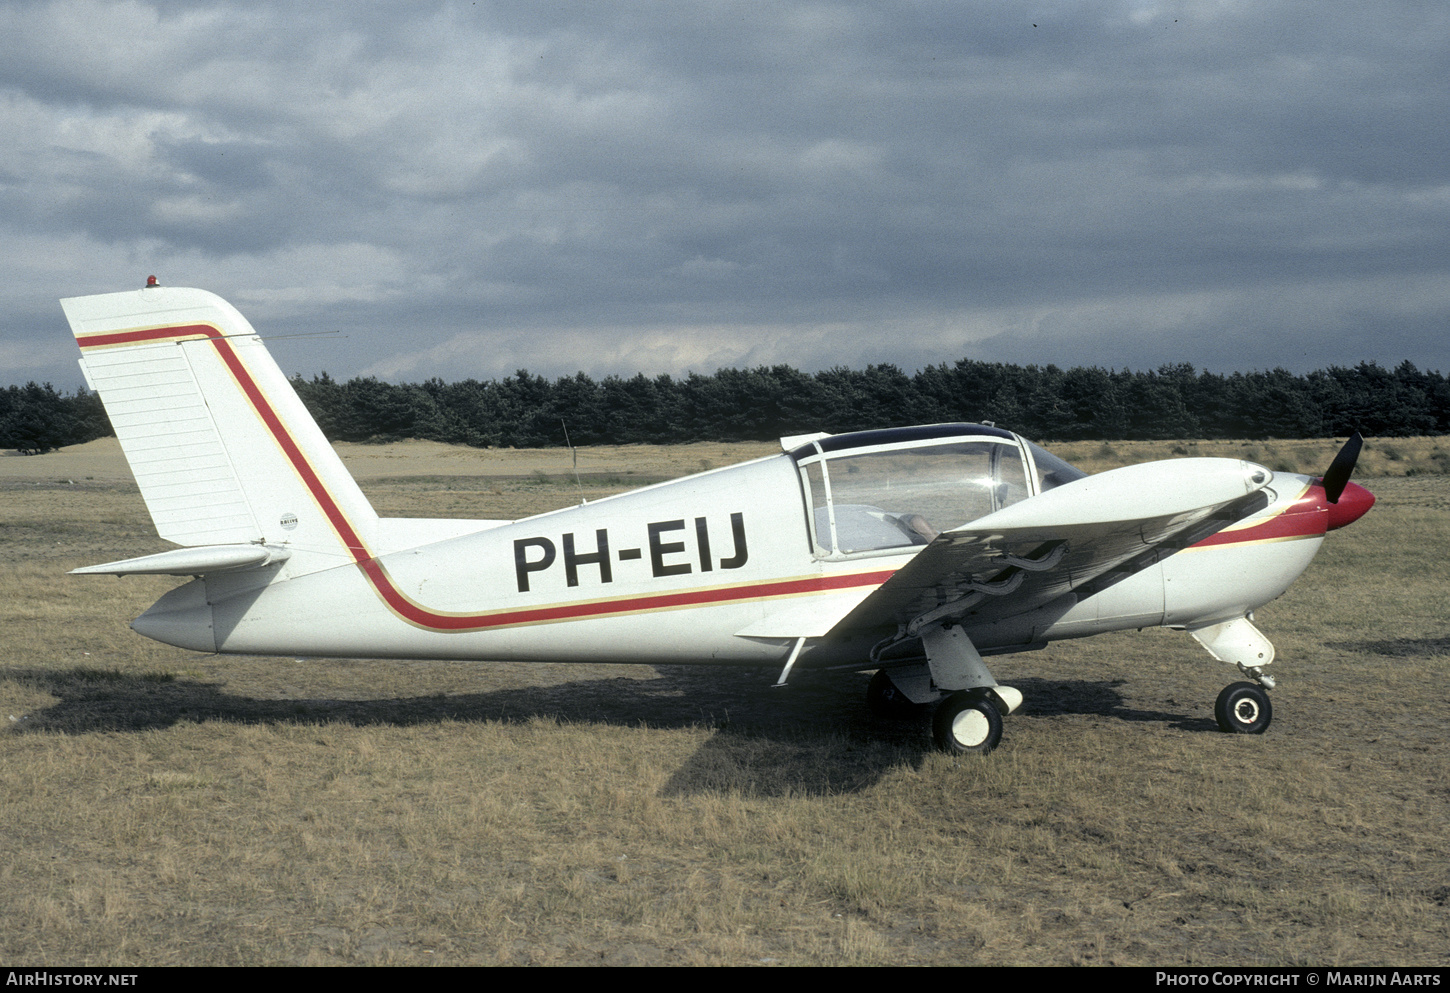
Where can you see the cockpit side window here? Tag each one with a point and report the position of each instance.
(818, 518)
(905, 496)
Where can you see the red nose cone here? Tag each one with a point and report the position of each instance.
(1353, 504)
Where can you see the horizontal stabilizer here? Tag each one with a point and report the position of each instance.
(198, 561)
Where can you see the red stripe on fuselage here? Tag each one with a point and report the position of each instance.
(415, 613)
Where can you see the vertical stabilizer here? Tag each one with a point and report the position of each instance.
(221, 446)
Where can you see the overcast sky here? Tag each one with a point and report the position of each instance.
(465, 189)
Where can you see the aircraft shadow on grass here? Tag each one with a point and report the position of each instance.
(814, 738)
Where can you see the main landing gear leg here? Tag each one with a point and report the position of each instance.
(885, 698)
(1242, 707)
(969, 720)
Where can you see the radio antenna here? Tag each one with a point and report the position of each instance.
(575, 453)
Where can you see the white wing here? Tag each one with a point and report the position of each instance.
(1079, 538)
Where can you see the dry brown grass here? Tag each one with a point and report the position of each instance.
(163, 807)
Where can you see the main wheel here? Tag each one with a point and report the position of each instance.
(967, 723)
(885, 699)
(1243, 708)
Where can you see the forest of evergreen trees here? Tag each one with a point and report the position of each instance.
(1044, 403)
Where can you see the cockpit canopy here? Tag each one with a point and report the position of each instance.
(877, 491)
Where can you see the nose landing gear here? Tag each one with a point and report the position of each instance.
(1243, 707)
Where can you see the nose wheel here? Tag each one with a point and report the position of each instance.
(1243, 708)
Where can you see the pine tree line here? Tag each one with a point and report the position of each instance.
(761, 404)
(1041, 402)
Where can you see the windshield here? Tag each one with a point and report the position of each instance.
(1051, 470)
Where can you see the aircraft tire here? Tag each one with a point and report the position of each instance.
(1243, 708)
(967, 723)
(885, 699)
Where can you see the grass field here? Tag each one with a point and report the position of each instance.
(162, 807)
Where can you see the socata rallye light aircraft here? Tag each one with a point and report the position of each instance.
(912, 551)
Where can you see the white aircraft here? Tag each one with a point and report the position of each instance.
(912, 551)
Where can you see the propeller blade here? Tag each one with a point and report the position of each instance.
(1336, 478)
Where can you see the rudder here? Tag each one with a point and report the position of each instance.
(222, 448)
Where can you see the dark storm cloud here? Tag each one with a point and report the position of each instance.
(472, 188)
